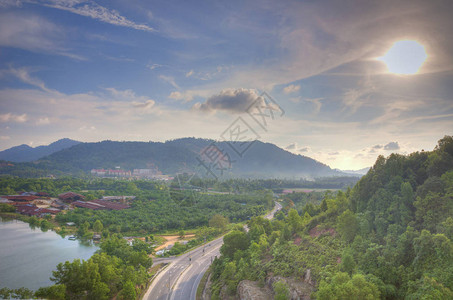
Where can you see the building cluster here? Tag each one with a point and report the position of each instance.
(41, 204)
(110, 173)
(33, 204)
(152, 173)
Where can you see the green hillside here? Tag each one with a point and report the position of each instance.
(262, 160)
(390, 237)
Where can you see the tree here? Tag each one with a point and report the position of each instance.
(294, 220)
(181, 234)
(57, 291)
(235, 240)
(128, 292)
(97, 226)
(218, 221)
(281, 290)
(343, 287)
(347, 225)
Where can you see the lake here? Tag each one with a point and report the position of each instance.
(28, 256)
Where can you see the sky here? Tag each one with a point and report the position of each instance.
(159, 70)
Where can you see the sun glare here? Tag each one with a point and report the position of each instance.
(405, 57)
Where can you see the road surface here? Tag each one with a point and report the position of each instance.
(180, 279)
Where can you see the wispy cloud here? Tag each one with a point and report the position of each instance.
(23, 74)
(33, 33)
(95, 11)
(170, 80)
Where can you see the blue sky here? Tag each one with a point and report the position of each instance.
(159, 70)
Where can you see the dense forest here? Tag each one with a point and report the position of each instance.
(389, 237)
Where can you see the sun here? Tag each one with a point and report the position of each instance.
(405, 57)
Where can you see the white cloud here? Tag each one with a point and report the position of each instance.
(144, 105)
(153, 66)
(291, 89)
(190, 73)
(170, 80)
(185, 96)
(10, 117)
(43, 121)
(4, 137)
(95, 11)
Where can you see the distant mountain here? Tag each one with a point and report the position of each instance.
(356, 172)
(25, 153)
(191, 155)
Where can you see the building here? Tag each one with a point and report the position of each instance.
(32, 210)
(100, 205)
(110, 173)
(70, 196)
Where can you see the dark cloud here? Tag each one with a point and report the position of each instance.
(305, 149)
(234, 101)
(392, 146)
(334, 153)
(291, 146)
(377, 147)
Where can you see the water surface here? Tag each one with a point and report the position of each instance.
(28, 256)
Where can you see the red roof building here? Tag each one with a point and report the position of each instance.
(100, 204)
(20, 198)
(32, 210)
(70, 196)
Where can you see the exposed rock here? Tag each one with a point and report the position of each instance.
(307, 277)
(298, 289)
(250, 290)
(206, 295)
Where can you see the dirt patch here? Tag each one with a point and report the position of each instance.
(315, 232)
(297, 241)
(172, 239)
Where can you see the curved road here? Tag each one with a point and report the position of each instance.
(180, 279)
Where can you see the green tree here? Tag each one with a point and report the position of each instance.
(281, 290)
(344, 287)
(218, 221)
(128, 292)
(235, 240)
(97, 226)
(348, 264)
(57, 292)
(348, 225)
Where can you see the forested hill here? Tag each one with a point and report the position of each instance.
(389, 237)
(25, 153)
(260, 159)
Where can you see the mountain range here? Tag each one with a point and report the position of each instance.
(254, 159)
(25, 153)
